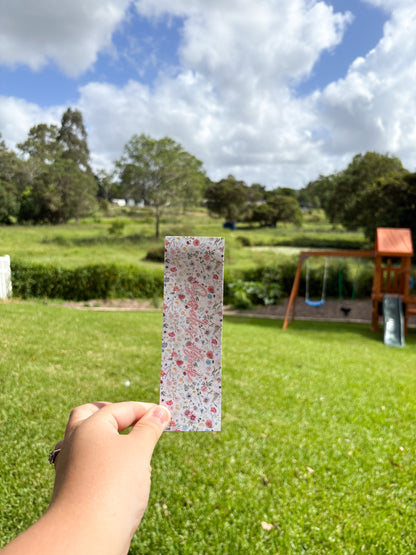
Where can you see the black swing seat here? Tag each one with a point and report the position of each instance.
(345, 310)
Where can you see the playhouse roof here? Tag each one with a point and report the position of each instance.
(393, 242)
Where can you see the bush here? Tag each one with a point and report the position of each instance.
(156, 254)
(98, 281)
(244, 241)
(116, 228)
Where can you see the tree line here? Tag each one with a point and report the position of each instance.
(375, 190)
(50, 180)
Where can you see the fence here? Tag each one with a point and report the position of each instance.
(5, 277)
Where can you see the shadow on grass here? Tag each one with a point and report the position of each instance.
(135, 238)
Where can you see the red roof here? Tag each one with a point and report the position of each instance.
(393, 241)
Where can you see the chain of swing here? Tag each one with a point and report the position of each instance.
(345, 308)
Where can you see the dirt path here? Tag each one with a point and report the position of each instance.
(330, 311)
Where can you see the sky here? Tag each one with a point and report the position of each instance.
(275, 92)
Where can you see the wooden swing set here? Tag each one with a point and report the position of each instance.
(392, 255)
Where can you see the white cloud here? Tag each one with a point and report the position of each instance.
(231, 101)
(68, 33)
(17, 116)
(373, 107)
(231, 104)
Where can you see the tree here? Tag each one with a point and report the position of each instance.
(390, 202)
(228, 198)
(41, 143)
(10, 168)
(72, 138)
(277, 208)
(347, 203)
(160, 173)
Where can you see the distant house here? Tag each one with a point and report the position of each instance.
(130, 202)
(119, 201)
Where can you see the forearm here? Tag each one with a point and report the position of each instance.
(66, 532)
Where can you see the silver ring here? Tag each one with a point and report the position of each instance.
(52, 455)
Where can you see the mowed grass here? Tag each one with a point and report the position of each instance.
(318, 437)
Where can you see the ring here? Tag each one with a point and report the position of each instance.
(52, 455)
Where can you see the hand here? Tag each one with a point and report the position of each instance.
(102, 479)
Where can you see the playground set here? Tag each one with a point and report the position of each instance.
(390, 295)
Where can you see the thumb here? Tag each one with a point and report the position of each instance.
(150, 427)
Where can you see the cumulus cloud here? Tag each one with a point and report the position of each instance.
(231, 103)
(69, 33)
(17, 116)
(373, 106)
(231, 100)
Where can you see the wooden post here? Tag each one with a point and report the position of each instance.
(294, 293)
(291, 305)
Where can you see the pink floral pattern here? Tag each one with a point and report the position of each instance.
(190, 383)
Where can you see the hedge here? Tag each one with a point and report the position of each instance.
(102, 281)
(98, 281)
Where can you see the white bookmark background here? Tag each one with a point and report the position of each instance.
(190, 384)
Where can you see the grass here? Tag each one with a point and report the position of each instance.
(73, 245)
(318, 439)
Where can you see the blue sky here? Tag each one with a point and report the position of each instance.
(267, 91)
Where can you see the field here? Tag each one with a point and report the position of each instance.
(90, 241)
(318, 440)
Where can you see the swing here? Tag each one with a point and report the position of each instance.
(346, 309)
(307, 299)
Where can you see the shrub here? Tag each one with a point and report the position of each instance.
(156, 254)
(244, 241)
(98, 281)
(116, 228)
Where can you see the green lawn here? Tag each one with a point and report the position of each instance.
(318, 439)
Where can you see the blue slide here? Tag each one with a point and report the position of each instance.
(393, 321)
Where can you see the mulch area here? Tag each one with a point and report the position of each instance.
(329, 311)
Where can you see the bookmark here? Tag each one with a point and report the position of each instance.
(190, 384)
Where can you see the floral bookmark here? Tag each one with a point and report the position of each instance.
(190, 384)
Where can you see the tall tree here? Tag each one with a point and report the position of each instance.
(345, 205)
(59, 183)
(10, 167)
(160, 173)
(72, 137)
(41, 143)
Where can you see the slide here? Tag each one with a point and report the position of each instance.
(393, 321)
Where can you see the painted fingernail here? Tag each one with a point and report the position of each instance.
(161, 414)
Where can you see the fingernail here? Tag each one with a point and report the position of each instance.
(161, 414)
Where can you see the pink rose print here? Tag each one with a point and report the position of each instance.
(191, 341)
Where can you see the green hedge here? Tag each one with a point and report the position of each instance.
(99, 281)
(263, 284)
